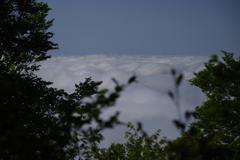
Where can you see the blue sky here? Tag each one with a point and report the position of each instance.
(145, 27)
(107, 38)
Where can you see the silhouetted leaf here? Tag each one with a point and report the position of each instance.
(171, 94)
(179, 79)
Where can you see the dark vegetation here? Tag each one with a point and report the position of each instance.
(41, 122)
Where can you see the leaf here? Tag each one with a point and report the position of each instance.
(103, 91)
(171, 94)
(214, 58)
(179, 79)
(132, 79)
(115, 81)
(179, 124)
(188, 115)
(173, 72)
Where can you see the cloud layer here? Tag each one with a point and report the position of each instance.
(146, 101)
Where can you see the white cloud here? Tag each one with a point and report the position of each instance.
(147, 101)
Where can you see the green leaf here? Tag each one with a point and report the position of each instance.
(103, 91)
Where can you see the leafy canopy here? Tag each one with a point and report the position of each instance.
(137, 147)
(38, 121)
(215, 133)
(24, 34)
(220, 114)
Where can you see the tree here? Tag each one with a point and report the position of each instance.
(220, 114)
(215, 133)
(38, 121)
(24, 34)
(137, 147)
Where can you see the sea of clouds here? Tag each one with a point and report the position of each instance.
(146, 101)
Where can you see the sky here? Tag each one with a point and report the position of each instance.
(120, 38)
(145, 27)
